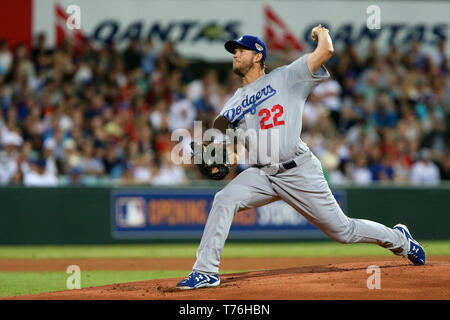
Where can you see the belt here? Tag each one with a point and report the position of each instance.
(288, 165)
(272, 169)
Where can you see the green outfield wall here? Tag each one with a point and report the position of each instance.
(95, 215)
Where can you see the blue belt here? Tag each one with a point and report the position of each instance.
(288, 164)
(283, 166)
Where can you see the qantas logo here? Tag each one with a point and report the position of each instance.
(249, 104)
(278, 32)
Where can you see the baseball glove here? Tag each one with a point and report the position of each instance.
(207, 164)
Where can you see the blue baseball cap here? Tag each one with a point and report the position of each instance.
(249, 42)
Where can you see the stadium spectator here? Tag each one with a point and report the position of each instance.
(148, 57)
(6, 58)
(360, 173)
(168, 173)
(36, 174)
(424, 171)
(328, 93)
(331, 161)
(132, 55)
(11, 143)
(311, 112)
(143, 169)
(445, 167)
(90, 164)
(182, 114)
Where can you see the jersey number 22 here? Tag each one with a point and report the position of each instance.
(277, 111)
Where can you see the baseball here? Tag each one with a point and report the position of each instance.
(314, 32)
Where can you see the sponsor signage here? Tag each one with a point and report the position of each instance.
(200, 30)
(182, 214)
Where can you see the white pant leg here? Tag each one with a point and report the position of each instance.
(306, 189)
(248, 190)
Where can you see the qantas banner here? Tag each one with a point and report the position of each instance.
(199, 28)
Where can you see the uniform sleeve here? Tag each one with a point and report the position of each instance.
(222, 120)
(222, 124)
(299, 75)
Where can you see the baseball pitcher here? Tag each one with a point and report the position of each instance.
(274, 102)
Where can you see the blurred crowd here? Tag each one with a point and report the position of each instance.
(92, 114)
(383, 117)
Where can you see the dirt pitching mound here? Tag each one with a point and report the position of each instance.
(398, 280)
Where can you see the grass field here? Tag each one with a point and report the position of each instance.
(187, 250)
(19, 283)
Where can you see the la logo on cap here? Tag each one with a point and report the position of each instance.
(258, 46)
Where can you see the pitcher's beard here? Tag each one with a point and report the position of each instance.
(242, 70)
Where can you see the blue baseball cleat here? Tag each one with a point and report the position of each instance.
(416, 253)
(199, 280)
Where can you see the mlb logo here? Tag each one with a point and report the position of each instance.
(130, 212)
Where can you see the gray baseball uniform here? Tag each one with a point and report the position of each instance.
(275, 102)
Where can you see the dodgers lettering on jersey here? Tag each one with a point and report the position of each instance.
(248, 104)
(270, 109)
